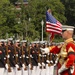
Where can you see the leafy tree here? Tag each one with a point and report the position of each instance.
(70, 11)
(7, 17)
(17, 21)
(37, 10)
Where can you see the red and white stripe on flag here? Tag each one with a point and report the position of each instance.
(54, 28)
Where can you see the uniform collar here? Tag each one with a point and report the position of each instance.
(69, 40)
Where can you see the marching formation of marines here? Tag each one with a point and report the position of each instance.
(23, 59)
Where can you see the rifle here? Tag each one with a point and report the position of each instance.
(48, 59)
(39, 59)
(7, 59)
(23, 56)
(43, 56)
(16, 56)
(30, 62)
(51, 60)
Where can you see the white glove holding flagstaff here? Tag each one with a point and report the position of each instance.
(45, 50)
(6, 65)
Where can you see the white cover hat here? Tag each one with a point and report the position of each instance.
(17, 40)
(65, 27)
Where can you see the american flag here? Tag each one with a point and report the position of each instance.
(52, 25)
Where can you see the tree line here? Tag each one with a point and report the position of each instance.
(25, 23)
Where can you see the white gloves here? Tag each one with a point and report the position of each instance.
(6, 65)
(29, 65)
(17, 66)
(63, 68)
(39, 64)
(23, 65)
(45, 50)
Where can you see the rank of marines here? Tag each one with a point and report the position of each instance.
(22, 57)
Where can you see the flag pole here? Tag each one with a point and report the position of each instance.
(42, 23)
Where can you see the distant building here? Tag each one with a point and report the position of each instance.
(18, 3)
(25, 0)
